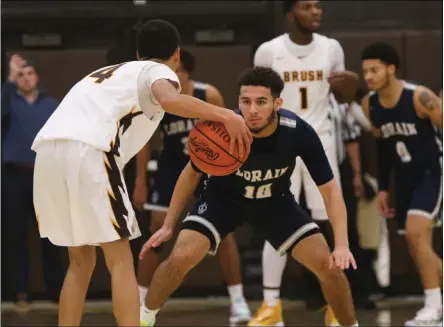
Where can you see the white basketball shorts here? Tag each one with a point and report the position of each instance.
(301, 177)
(80, 197)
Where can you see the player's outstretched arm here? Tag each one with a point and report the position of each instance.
(429, 105)
(385, 164)
(182, 195)
(187, 106)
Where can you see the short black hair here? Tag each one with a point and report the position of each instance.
(382, 51)
(263, 76)
(157, 39)
(288, 5)
(187, 60)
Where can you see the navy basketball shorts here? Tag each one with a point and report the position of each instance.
(282, 221)
(419, 194)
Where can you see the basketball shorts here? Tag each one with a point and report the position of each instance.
(282, 221)
(161, 187)
(301, 178)
(418, 194)
(80, 196)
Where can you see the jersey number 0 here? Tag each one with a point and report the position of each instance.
(105, 73)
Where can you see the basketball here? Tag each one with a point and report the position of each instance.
(208, 147)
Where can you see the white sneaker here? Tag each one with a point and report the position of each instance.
(240, 312)
(427, 316)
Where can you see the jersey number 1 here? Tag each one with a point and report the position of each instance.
(304, 97)
(105, 73)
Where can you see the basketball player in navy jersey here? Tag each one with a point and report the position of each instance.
(172, 160)
(312, 65)
(405, 118)
(259, 192)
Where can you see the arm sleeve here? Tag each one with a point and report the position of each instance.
(337, 56)
(313, 154)
(263, 56)
(145, 81)
(384, 164)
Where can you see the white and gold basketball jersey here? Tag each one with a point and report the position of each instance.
(112, 109)
(305, 70)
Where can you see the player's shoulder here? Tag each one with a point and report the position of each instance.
(288, 118)
(411, 86)
(271, 44)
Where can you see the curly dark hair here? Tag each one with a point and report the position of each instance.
(382, 51)
(263, 76)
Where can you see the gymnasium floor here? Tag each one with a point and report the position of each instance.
(209, 312)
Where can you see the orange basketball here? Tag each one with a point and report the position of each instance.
(208, 146)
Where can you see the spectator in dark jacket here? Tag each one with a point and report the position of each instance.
(25, 109)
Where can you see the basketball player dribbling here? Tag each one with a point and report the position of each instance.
(407, 121)
(311, 65)
(80, 198)
(172, 160)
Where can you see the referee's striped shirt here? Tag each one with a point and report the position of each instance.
(346, 129)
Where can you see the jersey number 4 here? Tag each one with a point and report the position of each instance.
(260, 192)
(105, 73)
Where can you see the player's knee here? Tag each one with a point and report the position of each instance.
(182, 260)
(417, 230)
(83, 259)
(118, 254)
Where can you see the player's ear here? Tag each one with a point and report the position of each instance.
(392, 69)
(278, 103)
(290, 17)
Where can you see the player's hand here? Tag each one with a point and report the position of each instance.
(342, 258)
(15, 65)
(164, 234)
(239, 133)
(383, 205)
(358, 186)
(140, 194)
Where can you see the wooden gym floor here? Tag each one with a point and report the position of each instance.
(209, 312)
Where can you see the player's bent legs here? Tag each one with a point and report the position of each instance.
(190, 248)
(419, 240)
(229, 261)
(82, 261)
(119, 261)
(314, 253)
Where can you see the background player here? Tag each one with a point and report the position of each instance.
(311, 65)
(404, 118)
(265, 201)
(79, 195)
(172, 160)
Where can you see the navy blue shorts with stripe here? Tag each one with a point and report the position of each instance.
(282, 221)
(419, 194)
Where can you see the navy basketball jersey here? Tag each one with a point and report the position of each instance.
(414, 141)
(265, 175)
(175, 130)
